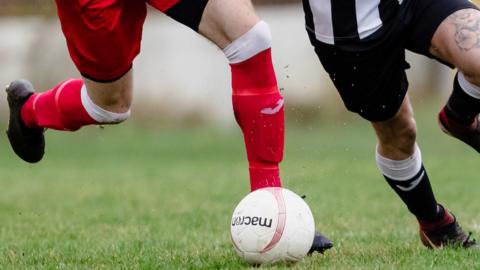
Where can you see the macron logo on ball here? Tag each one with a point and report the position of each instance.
(254, 221)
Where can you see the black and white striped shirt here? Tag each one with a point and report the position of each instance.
(334, 21)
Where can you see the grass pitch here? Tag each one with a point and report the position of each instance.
(131, 198)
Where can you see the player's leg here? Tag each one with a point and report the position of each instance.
(258, 105)
(456, 42)
(78, 102)
(400, 161)
(373, 83)
(103, 49)
(67, 106)
(428, 35)
(235, 28)
(257, 102)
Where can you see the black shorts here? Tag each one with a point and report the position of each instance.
(370, 73)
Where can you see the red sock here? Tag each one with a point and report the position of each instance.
(258, 108)
(59, 108)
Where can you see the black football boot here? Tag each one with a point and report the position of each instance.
(27, 143)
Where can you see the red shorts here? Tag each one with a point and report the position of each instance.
(103, 36)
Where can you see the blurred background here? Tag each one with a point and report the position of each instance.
(181, 79)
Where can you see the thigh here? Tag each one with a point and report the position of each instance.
(371, 82)
(425, 18)
(103, 36)
(218, 20)
(457, 40)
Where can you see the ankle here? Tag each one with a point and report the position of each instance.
(444, 218)
(27, 113)
(448, 118)
(264, 176)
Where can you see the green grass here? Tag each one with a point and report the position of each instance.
(133, 198)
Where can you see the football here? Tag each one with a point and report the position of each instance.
(272, 225)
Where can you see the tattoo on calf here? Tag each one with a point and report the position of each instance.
(467, 29)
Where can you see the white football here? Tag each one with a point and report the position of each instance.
(271, 225)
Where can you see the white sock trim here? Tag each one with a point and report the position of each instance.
(99, 114)
(256, 40)
(400, 170)
(469, 88)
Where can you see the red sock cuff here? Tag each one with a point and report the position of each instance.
(27, 113)
(454, 126)
(264, 175)
(428, 226)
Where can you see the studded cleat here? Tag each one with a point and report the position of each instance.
(27, 143)
(467, 134)
(447, 233)
(320, 244)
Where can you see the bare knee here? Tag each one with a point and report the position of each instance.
(397, 137)
(109, 102)
(400, 137)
